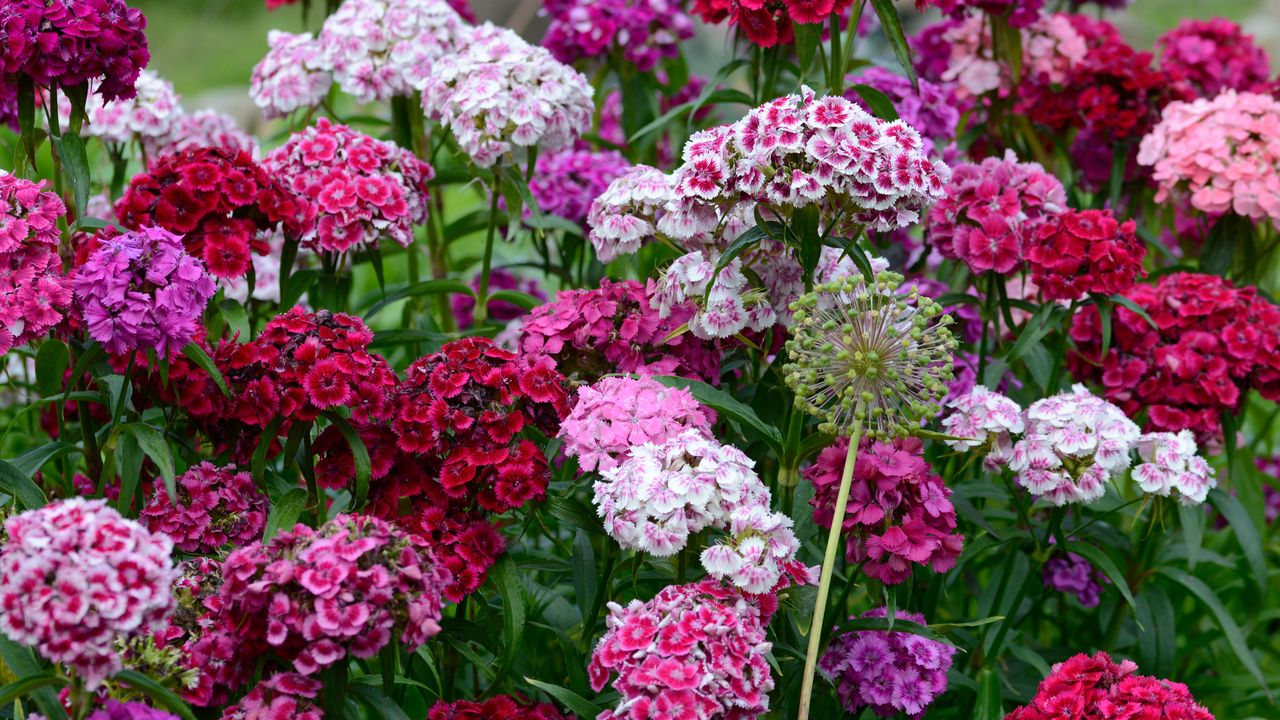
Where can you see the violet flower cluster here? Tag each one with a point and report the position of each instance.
(887, 671)
(643, 31)
(1070, 573)
(34, 294)
(142, 291)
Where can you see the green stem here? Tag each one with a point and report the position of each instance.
(829, 564)
(482, 297)
(335, 692)
(835, 78)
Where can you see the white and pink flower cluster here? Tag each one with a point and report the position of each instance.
(203, 128)
(293, 75)
(76, 578)
(694, 652)
(625, 216)
(498, 93)
(1170, 463)
(985, 420)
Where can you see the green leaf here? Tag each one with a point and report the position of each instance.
(727, 406)
(990, 703)
(576, 703)
(1134, 308)
(26, 686)
(1040, 364)
(855, 253)
(22, 663)
(1035, 330)
(1228, 233)
(19, 485)
(375, 700)
(879, 103)
(130, 464)
(711, 95)
(359, 453)
(52, 363)
(584, 572)
(93, 352)
(522, 300)
(75, 163)
(426, 287)
(574, 512)
(1246, 534)
(897, 625)
(234, 315)
(292, 290)
(32, 460)
(1157, 647)
(1192, 519)
(154, 446)
(285, 513)
(258, 462)
(1103, 563)
(892, 26)
(507, 578)
(197, 355)
(1235, 638)
(162, 695)
(808, 36)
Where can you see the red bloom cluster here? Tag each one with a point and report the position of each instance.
(219, 199)
(899, 512)
(351, 188)
(768, 22)
(466, 406)
(591, 333)
(70, 42)
(1085, 251)
(214, 506)
(502, 707)
(1211, 343)
(1098, 688)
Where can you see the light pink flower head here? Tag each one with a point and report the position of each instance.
(293, 75)
(1170, 463)
(983, 419)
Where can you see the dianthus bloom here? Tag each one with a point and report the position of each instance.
(1211, 342)
(33, 292)
(567, 183)
(983, 420)
(693, 651)
(1018, 13)
(76, 577)
(142, 291)
(899, 513)
(645, 31)
(354, 189)
(1070, 573)
(615, 414)
(934, 110)
(887, 671)
(379, 49)
(992, 211)
(1074, 443)
(70, 42)
(1214, 55)
(221, 202)
(467, 406)
(292, 75)
(1224, 154)
(625, 215)
(501, 311)
(1080, 252)
(314, 597)
(724, 308)
(150, 114)
(611, 329)
(214, 507)
(502, 707)
(498, 93)
(128, 711)
(283, 695)
(769, 22)
(1098, 687)
(1169, 463)
(203, 128)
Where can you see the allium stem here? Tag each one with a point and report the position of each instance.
(829, 563)
(482, 297)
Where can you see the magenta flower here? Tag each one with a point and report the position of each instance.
(214, 507)
(34, 294)
(643, 31)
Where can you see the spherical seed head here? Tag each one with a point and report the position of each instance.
(854, 340)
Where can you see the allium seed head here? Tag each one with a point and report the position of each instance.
(870, 342)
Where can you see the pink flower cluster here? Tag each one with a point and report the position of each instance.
(1018, 13)
(150, 114)
(66, 43)
(615, 414)
(498, 93)
(887, 671)
(501, 707)
(142, 291)
(798, 151)
(1097, 687)
(292, 75)
(356, 189)
(694, 652)
(611, 329)
(1214, 55)
(379, 49)
(934, 110)
(1169, 463)
(1224, 154)
(568, 182)
(33, 292)
(1074, 443)
(214, 507)
(983, 420)
(992, 211)
(625, 215)
(283, 695)
(76, 577)
(1080, 252)
(644, 31)
(200, 129)
(899, 513)
(315, 597)
(723, 309)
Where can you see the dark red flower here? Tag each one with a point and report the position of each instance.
(1085, 251)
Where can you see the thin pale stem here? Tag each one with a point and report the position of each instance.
(829, 564)
(482, 297)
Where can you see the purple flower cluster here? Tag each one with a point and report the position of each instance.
(142, 291)
(70, 42)
(1070, 573)
(646, 31)
(889, 672)
(566, 182)
(129, 711)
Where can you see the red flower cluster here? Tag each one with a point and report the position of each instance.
(1098, 688)
(591, 333)
(502, 707)
(1211, 343)
(220, 200)
(1085, 251)
(899, 512)
(768, 22)
(466, 406)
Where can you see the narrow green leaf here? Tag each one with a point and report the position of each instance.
(879, 103)
(575, 513)
(1235, 638)
(507, 578)
(162, 695)
(807, 35)
(130, 464)
(93, 353)
(426, 287)
(1228, 233)
(285, 513)
(522, 300)
(19, 485)
(75, 163)
(584, 572)
(576, 703)
(375, 700)
(990, 703)
(1102, 562)
(29, 462)
(26, 686)
(22, 663)
(359, 453)
(728, 406)
(1246, 534)
(154, 446)
(1192, 519)
(197, 355)
(892, 26)
(897, 625)
(233, 313)
(258, 463)
(52, 363)
(1134, 308)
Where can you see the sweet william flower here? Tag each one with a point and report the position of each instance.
(643, 31)
(889, 672)
(984, 420)
(1099, 687)
(1214, 55)
(34, 294)
(501, 707)
(1080, 252)
(1170, 463)
(214, 507)
(293, 75)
